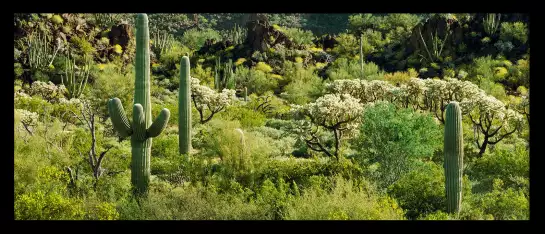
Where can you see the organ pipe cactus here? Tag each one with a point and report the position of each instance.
(454, 154)
(141, 130)
(184, 113)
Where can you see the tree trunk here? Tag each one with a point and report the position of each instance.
(482, 148)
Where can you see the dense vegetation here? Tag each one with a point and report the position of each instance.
(292, 116)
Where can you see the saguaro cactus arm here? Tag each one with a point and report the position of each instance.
(159, 124)
(119, 119)
(139, 122)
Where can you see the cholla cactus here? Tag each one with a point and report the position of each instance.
(48, 91)
(491, 119)
(334, 112)
(434, 95)
(27, 119)
(208, 100)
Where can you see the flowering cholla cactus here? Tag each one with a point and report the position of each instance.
(28, 119)
(48, 91)
(334, 112)
(490, 118)
(434, 95)
(206, 98)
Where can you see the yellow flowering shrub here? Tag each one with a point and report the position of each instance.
(118, 49)
(262, 66)
(240, 61)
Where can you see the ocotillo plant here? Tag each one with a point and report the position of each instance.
(491, 23)
(454, 155)
(224, 75)
(141, 130)
(229, 75)
(217, 77)
(184, 102)
(74, 80)
(361, 53)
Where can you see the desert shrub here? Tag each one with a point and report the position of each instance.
(255, 80)
(246, 117)
(422, 192)
(343, 69)
(343, 201)
(347, 45)
(509, 165)
(304, 84)
(503, 203)
(299, 37)
(395, 138)
(514, 32)
(173, 56)
(192, 203)
(195, 38)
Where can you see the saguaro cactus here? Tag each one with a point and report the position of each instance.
(454, 155)
(184, 113)
(141, 130)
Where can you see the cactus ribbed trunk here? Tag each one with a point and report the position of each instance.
(245, 94)
(141, 130)
(184, 114)
(141, 146)
(454, 154)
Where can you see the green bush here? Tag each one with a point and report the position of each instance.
(345, 201)
(420, 192)
(514, 32)
(299, 37)
(512, 166)
(195, 38)
(304, 84)
(344, 69)
(246, 117)
(395, 138)
(504, 203)
(256, 81)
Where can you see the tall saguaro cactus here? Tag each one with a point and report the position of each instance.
(454, 156)
(184, 113)
(141, 130)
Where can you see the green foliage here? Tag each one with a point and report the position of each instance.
(420, 191)
(304, 84)
(246, 117)
(515, 32)
(195, 38)
(395, 138)
(255, 80)
(299, 37)
(508, 164)
(504, 203)
(345, 201)
(344, 68)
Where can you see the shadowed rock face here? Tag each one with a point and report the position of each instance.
(120, 35)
